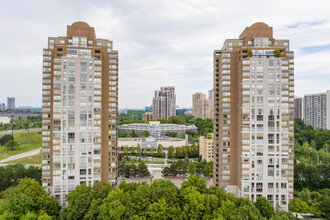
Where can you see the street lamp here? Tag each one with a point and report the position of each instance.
(12, 132)
(28, 120)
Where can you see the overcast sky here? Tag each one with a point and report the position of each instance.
(160, 43)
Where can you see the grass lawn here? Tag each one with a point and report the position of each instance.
(35, 159)
(27, 141)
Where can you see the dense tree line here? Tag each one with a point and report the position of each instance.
(132, 116)
(28, 200)
(11, 175)
(31, 122)
(312, 165)
(130, 170)
(183, 151)
(317, 138)
(317, 203)
(147, 152)
(183, 167)
(160, 200)
(311, 170)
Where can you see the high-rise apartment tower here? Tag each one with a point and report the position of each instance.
(10, 102)
(317, 110)
(299, 107)
(79, 111)
(254, 111)
(201, 105)
(164, 103)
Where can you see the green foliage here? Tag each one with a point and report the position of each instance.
(31, 122)
(4, 139)
(27, 141)
(28, 200)
(316, 138)
(265, 209)
(124, 135)
(191, 151)
(171, 134)
(11, 144)
(85, 201)
(159, 200)
(170, 152)
(145, 134)
(160, 150)
(297, 205)
(277, 53)
(131, 170)
(11, 175)
(132, 116)
(249, 53)
(181, 168)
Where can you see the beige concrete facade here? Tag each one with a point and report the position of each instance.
(253, 116)
(79, 111)
(164, 103)
(201, 106)
(147, 116)
(206, 148)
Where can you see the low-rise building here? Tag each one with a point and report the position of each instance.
(5, 120)
(149, 142)
(155, 128)
(206, 147)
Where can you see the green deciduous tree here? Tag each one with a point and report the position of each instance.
(12, 144)
(145, 134)
(264, 207)
(170, 152)
(26, 200)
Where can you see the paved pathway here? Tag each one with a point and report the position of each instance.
(19, 131)
(18, 156)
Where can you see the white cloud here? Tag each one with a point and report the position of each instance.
(160, 43)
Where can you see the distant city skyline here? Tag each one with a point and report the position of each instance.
(161, 43)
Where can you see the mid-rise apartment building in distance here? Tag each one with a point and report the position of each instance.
(211, 97)
(164, 103)
(254, 116)
(10, 102)
(206, 147)
(2, 106)
(201, 105)
(317, 110)
(299, 107)
(79, 111)
(155, 128)
(147, 116)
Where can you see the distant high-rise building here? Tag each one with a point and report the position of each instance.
(2, 106)
(299, 107)
(10, 102)
(164, 103)
(211, 97)
(201, 105)
(80, 111)
(254, 112)
(317, 110)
